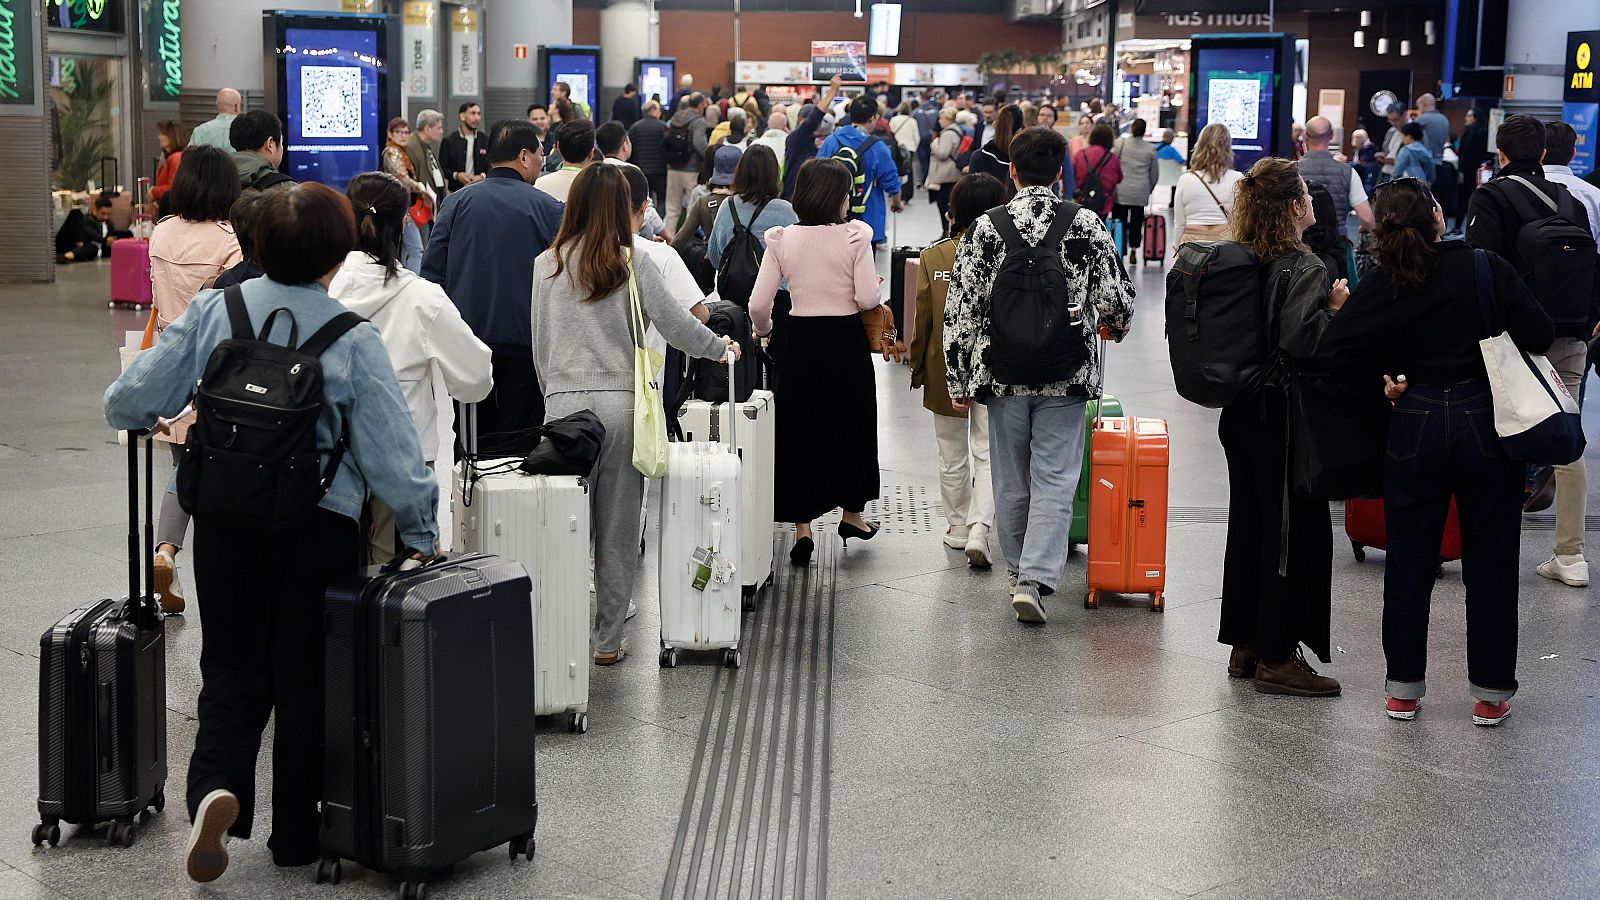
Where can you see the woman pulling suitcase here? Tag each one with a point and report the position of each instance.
(261, 609)
(827, 373)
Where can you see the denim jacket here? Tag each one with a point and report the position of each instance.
(360, 396)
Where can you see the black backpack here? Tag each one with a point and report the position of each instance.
(706, 379)
(855, 159)
(1220, 334)
(1092, 193)
(677, 145)
(252, 463)
(1557, 254)
(741, 260)
(1033, 337)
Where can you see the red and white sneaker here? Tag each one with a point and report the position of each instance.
(1404, 710)
(1490, 714)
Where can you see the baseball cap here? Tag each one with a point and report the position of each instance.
(725, 162)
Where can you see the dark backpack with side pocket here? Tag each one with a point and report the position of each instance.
(1557, 253)
(1220, 335)
(741, 259)
(1092, 193)
(677, 145)
(706, 379)
(252, 463)
(1033, 337)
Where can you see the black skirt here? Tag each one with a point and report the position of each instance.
(827, 418)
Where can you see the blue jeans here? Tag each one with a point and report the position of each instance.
(1442, 443)
(1036, 454)
(411, 247)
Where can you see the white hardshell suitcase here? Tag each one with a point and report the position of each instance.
(700, 566)
(758, 458)
(541, 521)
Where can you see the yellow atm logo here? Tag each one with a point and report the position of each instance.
(1582, 80)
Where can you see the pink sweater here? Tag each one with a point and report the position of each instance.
(828, 270)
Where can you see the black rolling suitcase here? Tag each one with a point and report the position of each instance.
(103, 699)
(429, 719)
(897, 285)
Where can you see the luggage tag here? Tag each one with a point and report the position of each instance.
(702, 573)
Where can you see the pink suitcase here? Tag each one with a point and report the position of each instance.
(130, 272)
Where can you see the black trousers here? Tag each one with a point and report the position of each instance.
(941, 197)
(517, 402)
(1132, 219)
(261, 655)
(1442, 443)
(658, 191)
(1272, 613)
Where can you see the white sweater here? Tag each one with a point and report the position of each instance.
(422, 330)
(1194, 205)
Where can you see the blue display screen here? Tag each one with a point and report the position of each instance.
(332, 133)
(1236, 86)
(581, 74)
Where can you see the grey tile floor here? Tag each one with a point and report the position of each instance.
(1104, 755)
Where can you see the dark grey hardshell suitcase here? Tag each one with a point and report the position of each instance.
(430, 719)
(103, 699)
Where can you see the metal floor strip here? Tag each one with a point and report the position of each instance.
(778, 709)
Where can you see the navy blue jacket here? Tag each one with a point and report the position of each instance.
(481, 251)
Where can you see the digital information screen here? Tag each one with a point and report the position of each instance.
(581, 73)
(334, 130)
(656, 78)
(883, 37)
(1235, 87)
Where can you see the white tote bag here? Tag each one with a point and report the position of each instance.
(1535, 415)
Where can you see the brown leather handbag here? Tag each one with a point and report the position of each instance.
(879, 323)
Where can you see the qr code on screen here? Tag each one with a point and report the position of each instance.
(1236, 103)
(330, 101)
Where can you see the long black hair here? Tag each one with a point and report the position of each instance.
(1326, 235)
(380, 202)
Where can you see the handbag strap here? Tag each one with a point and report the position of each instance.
(1485, 279)
(635, 314)
(1201, 179)
(149, 339)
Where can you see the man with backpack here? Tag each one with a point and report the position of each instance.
(257, 139)
(871, 165)
(1536, 225)
(684, 147)
(1032, 285)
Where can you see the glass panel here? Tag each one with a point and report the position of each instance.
(85, 15)
(85, 113)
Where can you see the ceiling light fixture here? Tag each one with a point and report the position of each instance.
(1361, 39)
(1405, 47)
(1366, 18)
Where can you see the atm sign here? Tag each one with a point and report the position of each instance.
(1580, 84)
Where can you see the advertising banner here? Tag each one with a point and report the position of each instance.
(1585, 120)
(19, 62)
(418, 34)
(163, 54)
(1583, 57)
(771, 71)
(847, 59)
(466, 62)
(333, 128)
(937, 74)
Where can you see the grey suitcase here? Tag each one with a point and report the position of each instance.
(429, 719)
(103, 699)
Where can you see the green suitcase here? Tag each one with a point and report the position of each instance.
(1079, 533)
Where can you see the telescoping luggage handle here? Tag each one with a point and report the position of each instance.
(1100, 406)
(733, 411)
(142, 604)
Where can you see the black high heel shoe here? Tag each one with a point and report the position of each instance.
(800, 553)
(848, 531)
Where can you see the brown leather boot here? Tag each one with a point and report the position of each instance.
(1295, 677)
(1242, 662)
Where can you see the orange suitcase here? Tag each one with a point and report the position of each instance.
(1128, 509)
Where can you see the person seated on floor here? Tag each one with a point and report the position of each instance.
(84, 238)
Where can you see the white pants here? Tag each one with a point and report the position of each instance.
(1570, 358)
(680, 184)
(965, 485)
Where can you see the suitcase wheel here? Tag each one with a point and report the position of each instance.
(669, 658)
(1439, 572)
(159, 801)
(749, 598)
(119, 834)
(732, 658)
(578, 723)
(329, 870)
(413, 890)
(1091, 600)
(1158, 603)
(46, 832)
(521, 846)
(1359, 551)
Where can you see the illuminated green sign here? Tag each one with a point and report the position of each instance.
(86, 15)
(163, 52)
(19, 68)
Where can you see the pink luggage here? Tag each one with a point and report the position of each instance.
(130, 272)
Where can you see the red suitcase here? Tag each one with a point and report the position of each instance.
(1155, 238)
(1128, 509)
(130, 272)
(1363, 524)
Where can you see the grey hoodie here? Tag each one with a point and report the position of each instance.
(696, 123)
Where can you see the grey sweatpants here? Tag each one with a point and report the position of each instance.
(174, 521)
(615, 491)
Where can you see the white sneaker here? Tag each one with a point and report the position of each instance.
(956, 538)
(1026, 602)
(168, 591)
(1573, 570)
(978, 547)
(633, 610)
(207, 855)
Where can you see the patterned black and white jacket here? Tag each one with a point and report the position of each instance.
(1095, 278)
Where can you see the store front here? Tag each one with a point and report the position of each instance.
(89, 77)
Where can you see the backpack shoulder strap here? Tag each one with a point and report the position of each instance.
(755, 216)
(733, 210)
(238, 315)
(1106, 157)
(1554, 207)
(330, 332)
(1060, 224)
(866, 145)
(1000, 218)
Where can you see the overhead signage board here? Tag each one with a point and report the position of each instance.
(466, 62)
(418, 33)
(1583, 58)
(19, 58)
(846, 59)
(163, 53)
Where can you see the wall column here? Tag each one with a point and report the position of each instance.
(1536, 47)
(626, 32)
(510, 84)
